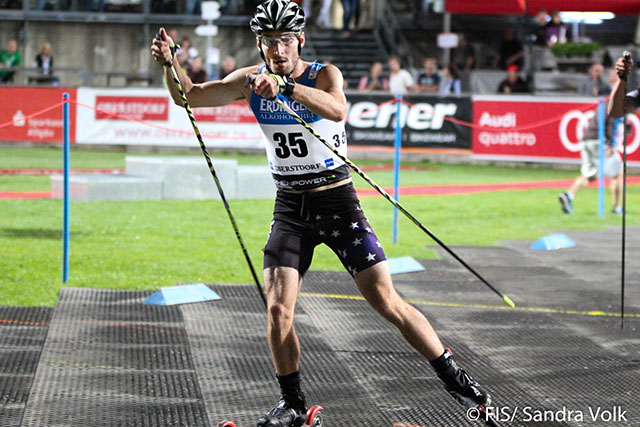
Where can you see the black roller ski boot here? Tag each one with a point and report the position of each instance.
(291, 410)
(461, 386)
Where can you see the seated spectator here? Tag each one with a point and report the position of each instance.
(538, 34)
(556, 31)
(510, 51)
(196, 73)
(374, 80)
(9, 58)
(594, 85)
(429, 79)
(228, 65)
(513, 83)
(464, 56)
(44, 63)
(400, 80)
(450, 83)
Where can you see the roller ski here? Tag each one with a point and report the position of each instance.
(464, 389)
(313, 418)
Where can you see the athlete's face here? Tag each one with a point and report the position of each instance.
(280, 49)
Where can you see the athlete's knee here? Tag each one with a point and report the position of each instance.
(280, 315)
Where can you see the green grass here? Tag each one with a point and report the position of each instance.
(149, 244)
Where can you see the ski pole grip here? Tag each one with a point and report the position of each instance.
(249, 81)
(626, 57)
(171, 48)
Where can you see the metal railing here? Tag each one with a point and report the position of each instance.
(75, 76)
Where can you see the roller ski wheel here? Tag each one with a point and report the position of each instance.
(314, 417)
(488, 419)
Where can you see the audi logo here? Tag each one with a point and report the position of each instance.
(576, 121)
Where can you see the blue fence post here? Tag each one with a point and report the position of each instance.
(65, 165)
(601, 137)
(396, 167)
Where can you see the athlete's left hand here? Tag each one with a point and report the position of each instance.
(264, 85)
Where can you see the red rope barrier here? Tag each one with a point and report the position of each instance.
(37, 113)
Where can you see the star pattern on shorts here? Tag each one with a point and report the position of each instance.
(368, 230)
(378, 243)
(352, 270)
(335, 216)
(335, 233)
(357, 242)
(342, 253)
(354, 225)
(318, 217)
(321, 233)
(371, 257)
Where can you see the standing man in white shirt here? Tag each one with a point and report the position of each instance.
(400, 80)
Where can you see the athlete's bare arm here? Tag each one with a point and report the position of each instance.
(616, 105)
(209, 94)
(327, 98)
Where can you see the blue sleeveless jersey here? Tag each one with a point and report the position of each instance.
(298, 161)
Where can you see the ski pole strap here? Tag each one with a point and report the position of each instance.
(285, 84)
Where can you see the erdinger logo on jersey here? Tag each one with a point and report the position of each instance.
(420, 116)
(574, 122)
(270, 111)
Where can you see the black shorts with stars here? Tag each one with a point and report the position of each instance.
(333, 217)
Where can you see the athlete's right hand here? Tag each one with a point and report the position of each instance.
(264, 85)
(623, 68)
(160, 48)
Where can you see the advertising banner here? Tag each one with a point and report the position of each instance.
(18, 103)
(371, 120)
(539, 129)
(149, 117)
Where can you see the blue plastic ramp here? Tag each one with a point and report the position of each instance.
(405, 264)
(196, 292)
(552, 242)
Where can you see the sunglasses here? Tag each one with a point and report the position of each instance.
(272, 41)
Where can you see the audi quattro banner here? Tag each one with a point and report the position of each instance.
(149, 117)
(371, 120)
(18, 103)
(526, 128)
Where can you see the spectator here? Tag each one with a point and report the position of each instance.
(556, 31)
(594, 85)
(196, 73)
(350, 9)
(193, 7)
(185, 46)
(450, 84)
(44, 63)
(589, 148)
(324, 15)
(228, 65)
(429, 79)
(513, 83)
(9, 58)
(400, 81)
(539, 30)
(464, 56)
(374, 80)
(510, 51)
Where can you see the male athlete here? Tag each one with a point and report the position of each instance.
(315, 203)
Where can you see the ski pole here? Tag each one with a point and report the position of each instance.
(386, 195)
(187, 107)
(627, 57)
